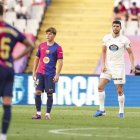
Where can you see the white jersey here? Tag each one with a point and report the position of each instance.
(115, 49)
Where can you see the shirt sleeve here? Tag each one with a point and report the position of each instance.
(127, 43)
(20, 36)
(59, 53)
(38, 52)
(104, 41)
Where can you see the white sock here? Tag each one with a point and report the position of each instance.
(3, 137)
(102, 100)
(121, 100)
(47, 114)
(38, 112)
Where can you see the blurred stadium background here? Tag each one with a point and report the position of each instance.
(81, 25)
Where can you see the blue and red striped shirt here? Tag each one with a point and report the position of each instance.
(9, 36)
(48, 58)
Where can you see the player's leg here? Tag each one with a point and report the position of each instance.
(50, 89)
(119, 81)
(49, 105)
(39, 90)
(102, 84)
(121, 99)
(104, 79)
(6, 88)
(6, 117)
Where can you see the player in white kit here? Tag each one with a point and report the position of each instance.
(113, 66)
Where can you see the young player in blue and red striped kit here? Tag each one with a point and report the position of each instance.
(45, 73)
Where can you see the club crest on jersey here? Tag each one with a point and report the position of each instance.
(46, 60)
(113, 47)
(47, 51)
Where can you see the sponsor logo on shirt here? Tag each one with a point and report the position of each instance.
(46, 60)
(113, 47)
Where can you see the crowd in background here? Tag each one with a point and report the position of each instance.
(18, 6)
(128, 10)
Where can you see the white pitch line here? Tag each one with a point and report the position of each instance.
(64, 132)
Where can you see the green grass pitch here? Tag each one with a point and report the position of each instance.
(74, 123)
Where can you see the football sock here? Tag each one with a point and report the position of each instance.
(47, 114)
(38, 103)
(3, 137)
(39, 112)
(121, 100)
(6, 118)
(49, 103)
(102, 100)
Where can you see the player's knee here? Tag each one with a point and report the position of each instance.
(120, 91)
(7, 100)
(100, 88)
(38, 92)
(49, 95)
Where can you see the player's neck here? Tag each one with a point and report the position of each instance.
(1, 18)
(115, 35)
(50, 43)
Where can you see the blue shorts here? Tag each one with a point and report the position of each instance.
(46, 83)
(6, 81)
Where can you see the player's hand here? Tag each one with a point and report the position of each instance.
(56, 78)
(104, 69)
(133, 70)
(34, 76)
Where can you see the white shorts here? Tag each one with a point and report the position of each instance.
(116, 74)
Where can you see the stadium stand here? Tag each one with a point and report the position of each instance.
(81, 26)
(29, 26)
(35, 11)
(131, 25)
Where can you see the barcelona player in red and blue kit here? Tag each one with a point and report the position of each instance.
(45, 73)
(9, 36)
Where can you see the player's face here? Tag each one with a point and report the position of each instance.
(116, 28)
(50, 36)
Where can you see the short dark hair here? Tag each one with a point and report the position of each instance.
(116, 22)
(52, 30)
(134, 4)
(120, 3)
(1, 9)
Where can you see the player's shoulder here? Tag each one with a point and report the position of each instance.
(124, 38)
(107, 36)
(7, 26)
(10, 29)
(42, 44)
(57, 45)
(10, 26)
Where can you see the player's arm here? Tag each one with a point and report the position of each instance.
(103, 58)
(131, 56)
(29, 46)
(59, 67)
(35, 66)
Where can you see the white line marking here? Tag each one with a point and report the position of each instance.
(67, 132)
(63, 131)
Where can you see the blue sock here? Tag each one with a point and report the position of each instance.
(38, 102)
(6, 118)
(49, 103)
